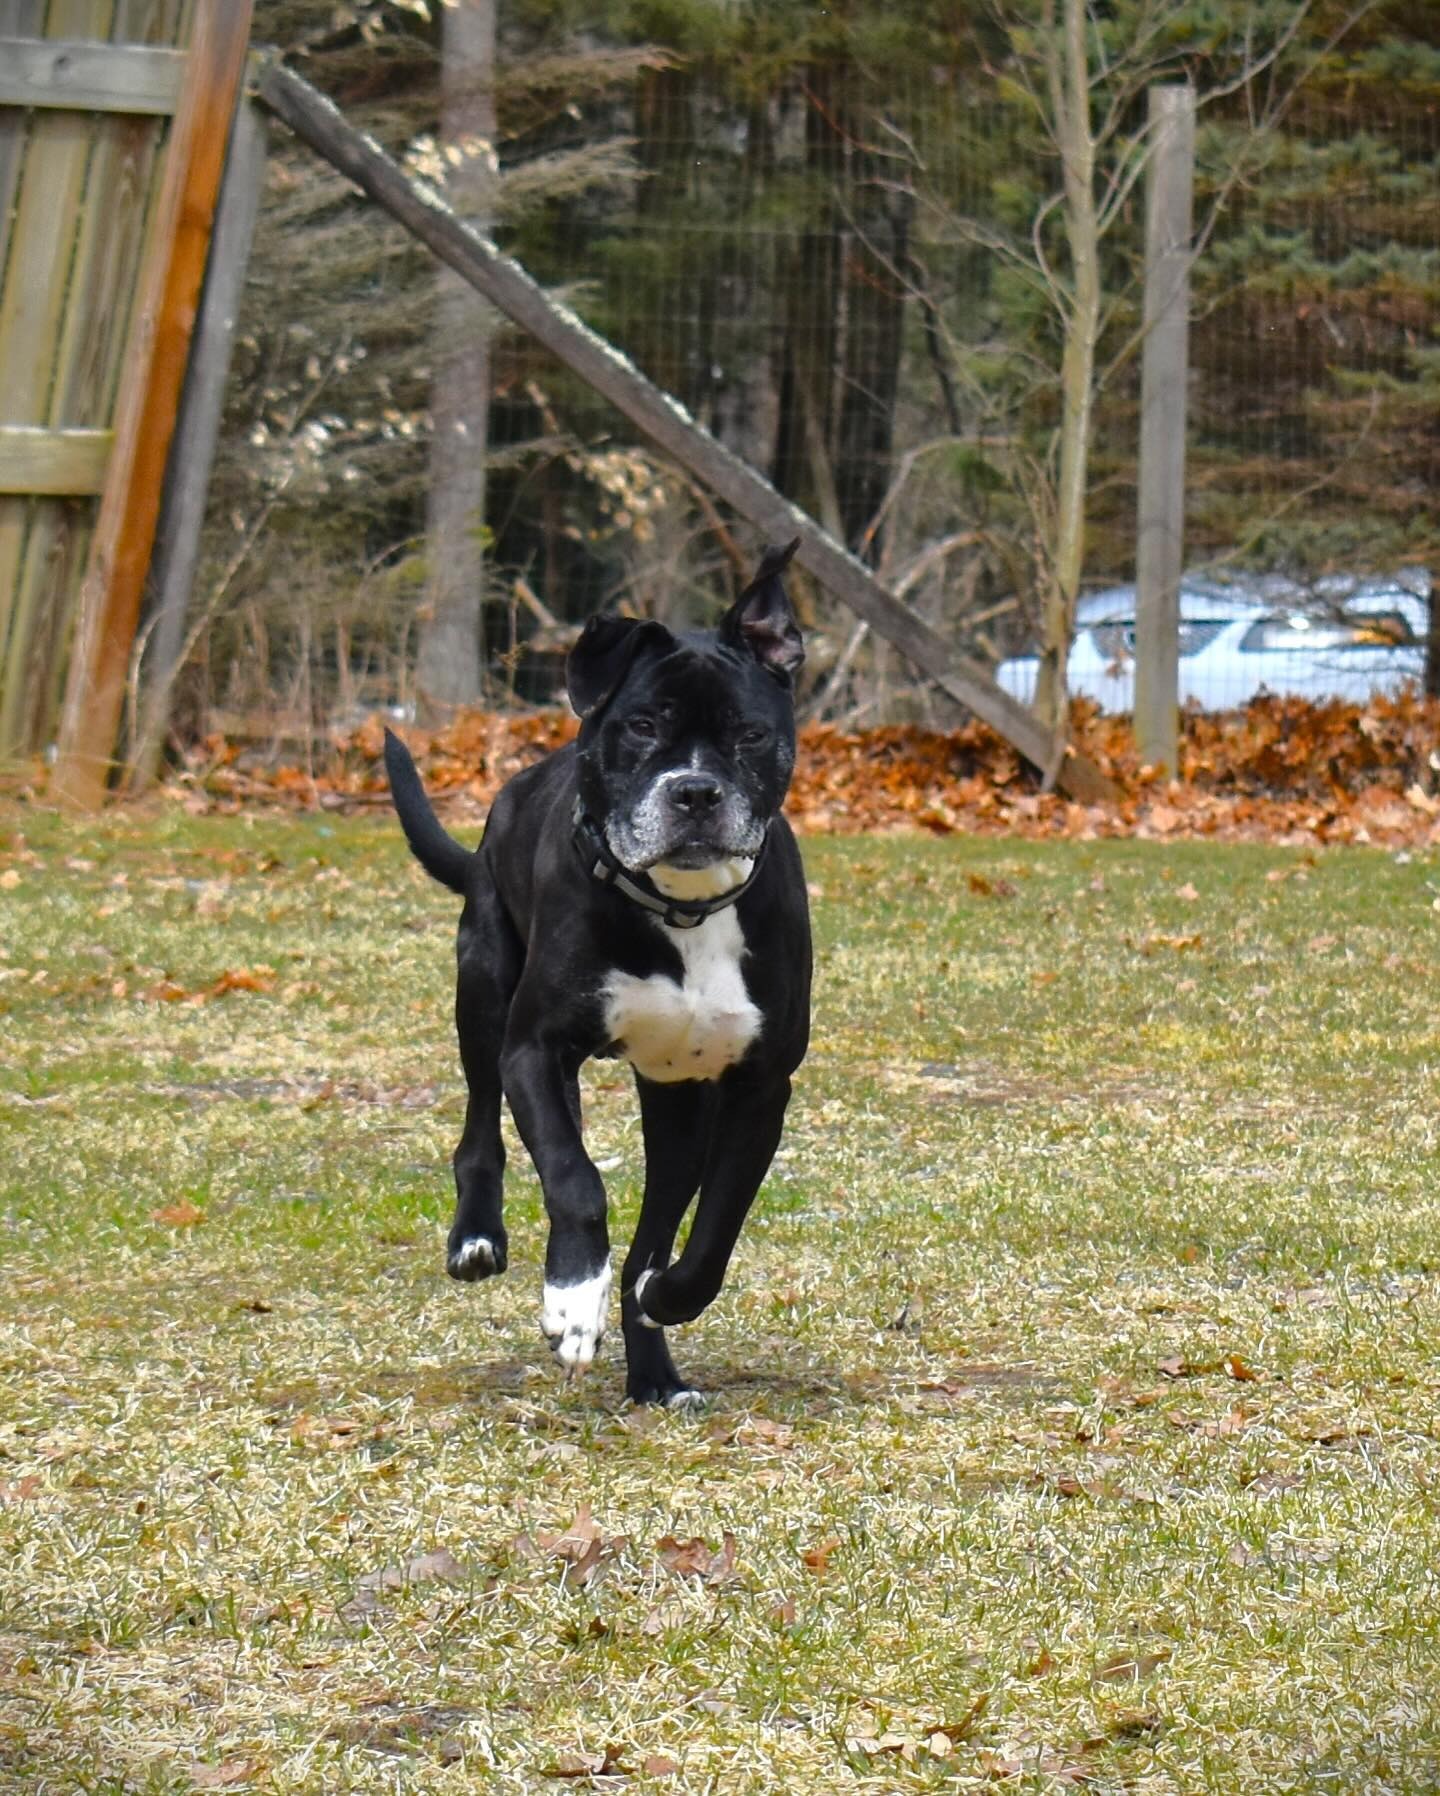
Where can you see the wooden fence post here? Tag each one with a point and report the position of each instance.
(664, 420)
(129, 506)
(192, 451)
(1160, 541)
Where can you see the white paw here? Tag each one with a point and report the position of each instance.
(640, 1284)
(573, 1318)
(686, 1399)
(475, 1254)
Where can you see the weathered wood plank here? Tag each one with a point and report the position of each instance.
(187, 474)
(151, 22)
(58, 463)
(14, 137)
(32, 309)
(89, 77)
(507, 285)
(145, 420)
(54, 561)
(50, 213)
(98, 302)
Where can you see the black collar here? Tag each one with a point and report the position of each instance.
(675, 913)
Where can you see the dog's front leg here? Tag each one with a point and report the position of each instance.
(539, 1079)
(746, 1132)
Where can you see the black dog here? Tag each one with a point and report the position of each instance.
(636, 894)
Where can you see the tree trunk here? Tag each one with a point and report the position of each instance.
(875, 315)
(450, 667)
(1069, 81)
(801, 467)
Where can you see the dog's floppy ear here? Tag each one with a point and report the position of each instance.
(761, 620)
(602, 657)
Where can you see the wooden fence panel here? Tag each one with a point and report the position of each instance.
(79, 175)
(112, 593)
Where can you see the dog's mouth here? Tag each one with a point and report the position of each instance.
(693, 857)
(652, 835)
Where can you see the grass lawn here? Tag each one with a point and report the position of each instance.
(1074, 1415)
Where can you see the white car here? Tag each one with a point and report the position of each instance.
(1338, 639)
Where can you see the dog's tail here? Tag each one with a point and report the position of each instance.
(437, 851)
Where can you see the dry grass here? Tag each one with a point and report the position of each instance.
(1075, 1387)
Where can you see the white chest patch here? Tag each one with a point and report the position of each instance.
(692, 1029)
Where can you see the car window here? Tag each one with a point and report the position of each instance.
(1116, 641)
(1293, 632)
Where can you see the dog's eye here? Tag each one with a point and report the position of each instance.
(753, 737)
(643, 727)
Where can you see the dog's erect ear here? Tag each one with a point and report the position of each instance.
(603, 656)
(761, 620)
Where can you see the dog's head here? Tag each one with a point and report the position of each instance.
(687, 741)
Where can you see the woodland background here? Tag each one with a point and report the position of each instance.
(827, 232)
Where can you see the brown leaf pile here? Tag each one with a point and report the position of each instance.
(1281, 769)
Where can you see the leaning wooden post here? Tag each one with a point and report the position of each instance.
(507, 286)
(192, 449)
(1160, 540)
(145, 419)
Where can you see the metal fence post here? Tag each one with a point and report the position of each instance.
(1161, 510)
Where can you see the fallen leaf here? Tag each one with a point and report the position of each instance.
(1268, 1481)
(956, 1732)
(1238, 1370)
(1187, 892)
(243, 979)
(224, 1776)
(817, 1558)
(580, 1548)
(1129, 1724)
(165, 991)
(576, 1540)
(672, 1613)
(656, 1764)
(783, 1613)
(423, 1569)
(183, 1215)
(1237, 1420)
(20, 1490)
(1131, 1667)
(1330, 1434)
(694, 1559)
(609, 1763)
(1001, 1766)
(760, 1430)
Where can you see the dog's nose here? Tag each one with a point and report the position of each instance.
(697, 793)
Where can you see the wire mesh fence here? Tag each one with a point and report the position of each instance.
(850, 267)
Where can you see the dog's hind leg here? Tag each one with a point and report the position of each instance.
(489, 954)
(676, 1123)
